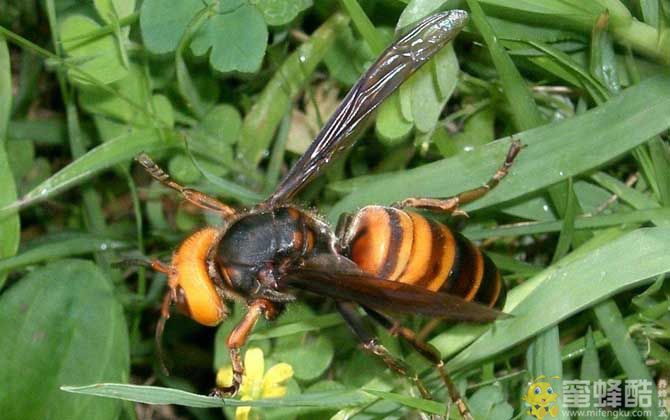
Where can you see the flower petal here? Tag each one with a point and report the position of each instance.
(254, 364)
(275, 391)
(242, 413)
(277, 374)
(224, 377)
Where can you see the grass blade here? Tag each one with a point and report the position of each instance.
(60, 248)
(580, 283)
(102, 157)
(519, 97)
(555, 152)
(10, 229)
(266, 114)
(159, 395)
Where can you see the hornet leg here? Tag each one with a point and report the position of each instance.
(371, 344)
(428, 352)
(198, 198)
(238, 338)
(452, 205)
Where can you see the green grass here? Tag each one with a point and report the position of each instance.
(580, 228)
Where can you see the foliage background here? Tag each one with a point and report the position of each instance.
(226, 95)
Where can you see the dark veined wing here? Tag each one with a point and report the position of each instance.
(393, 67)
(337, 277)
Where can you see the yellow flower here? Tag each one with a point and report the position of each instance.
(256, 383)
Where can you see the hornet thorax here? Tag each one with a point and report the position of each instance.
(257, 248)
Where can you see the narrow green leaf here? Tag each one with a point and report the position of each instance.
(660, 156)
(580, 283)
(554, 152)
(64, 322)
(566, 237)
(543, 357)
(603, 59)
(265, 115)
(10, 229)
(364, 26)
(158, 395)
(635, 198)
(489, 403)
(68, 246)
(590, 369)
(97, 159)
(601, 221)
(519, 97)
(427, 406)
(41, 131)
(316, 323)
(629, 357)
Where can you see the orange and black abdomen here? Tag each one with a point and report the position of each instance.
(407, 247)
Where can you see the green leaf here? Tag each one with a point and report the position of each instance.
(158, 395)
(10, 229)
(220, 126)
(163, 22)
(629, 357)
(431, 87)
(525, 112)
(59, 247)
(280, 12)
(134, 87)
(310, 356)
(235, 36)
(312, 323)
(590, 368)
(581, 282)
(391, 126)
(267, 112)
(61, 325)
(422, 97)
(98, 56)
(489, 403)
(347, 58)
(104, 156)
(112, 10)
(543, 357)
(554, 152)
(427, 406)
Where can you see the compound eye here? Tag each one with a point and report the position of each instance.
(537, 390)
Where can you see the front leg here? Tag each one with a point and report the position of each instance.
(238, 338)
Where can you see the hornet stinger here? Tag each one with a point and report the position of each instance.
(383, 259)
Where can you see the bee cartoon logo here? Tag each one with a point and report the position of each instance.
(542, 398)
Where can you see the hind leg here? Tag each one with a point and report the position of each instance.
(371, 344)
(452, 205)
(428, 352)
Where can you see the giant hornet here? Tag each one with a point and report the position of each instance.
(383, 259)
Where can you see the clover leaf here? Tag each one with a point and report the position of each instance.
(233, 32)
(281, 12)
(236, 36)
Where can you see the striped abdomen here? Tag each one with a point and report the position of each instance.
(404, 246)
